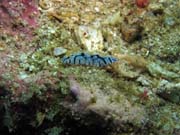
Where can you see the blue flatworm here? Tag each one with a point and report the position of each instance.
(88, 60)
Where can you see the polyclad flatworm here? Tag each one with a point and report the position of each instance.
(88, 60)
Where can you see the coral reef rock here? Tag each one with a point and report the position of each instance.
(90, 37)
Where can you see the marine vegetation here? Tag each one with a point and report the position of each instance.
(142, 3)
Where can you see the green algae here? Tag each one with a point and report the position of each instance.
(54, 131)
(156, 70)
(166, 119)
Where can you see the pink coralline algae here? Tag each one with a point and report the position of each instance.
(142, 3)
(18, 16)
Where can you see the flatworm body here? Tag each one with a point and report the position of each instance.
(88, 60)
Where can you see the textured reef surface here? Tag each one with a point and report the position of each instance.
(96, 67)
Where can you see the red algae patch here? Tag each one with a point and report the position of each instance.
(18, 17)
(142, 3)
